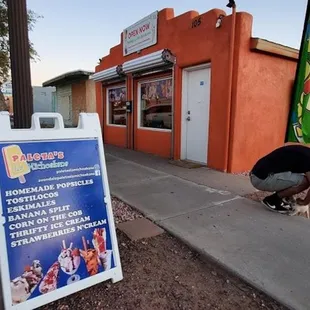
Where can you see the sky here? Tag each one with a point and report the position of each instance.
(74, 34)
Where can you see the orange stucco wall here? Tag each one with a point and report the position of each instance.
(261, 100)
(260, 92)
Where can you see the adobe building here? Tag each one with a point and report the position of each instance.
(75, 93)
(196, 87)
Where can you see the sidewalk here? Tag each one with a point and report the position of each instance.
(205, 209)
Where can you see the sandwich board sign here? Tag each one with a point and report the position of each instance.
(57, 232)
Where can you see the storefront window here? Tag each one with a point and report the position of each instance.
(117, 106)
(156, 104)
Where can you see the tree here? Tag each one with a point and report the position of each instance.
(5, 45)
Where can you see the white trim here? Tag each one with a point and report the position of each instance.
(155, 129)
(198, 67)
(184, 99)
(114, 125)
(108, 106)
(139, 104)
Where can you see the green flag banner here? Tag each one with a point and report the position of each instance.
(299, 120)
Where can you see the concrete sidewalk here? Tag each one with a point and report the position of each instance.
(204, 209)
(202, 176)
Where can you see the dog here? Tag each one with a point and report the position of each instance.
(297, 209)
(300, 210)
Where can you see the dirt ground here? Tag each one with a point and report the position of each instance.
(162, 273)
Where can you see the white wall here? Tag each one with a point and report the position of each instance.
(42, 99)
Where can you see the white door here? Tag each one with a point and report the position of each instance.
(64, 103)
(196, 105)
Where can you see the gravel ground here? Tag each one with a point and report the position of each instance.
(122, 212)
(162, 273)
(245, 173)
(259, 195)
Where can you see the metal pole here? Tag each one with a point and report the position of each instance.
(20, 63)
(230, 109)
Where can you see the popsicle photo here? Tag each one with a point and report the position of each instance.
(99, 243)
(49, 282)
(90, 257)
(15, 168)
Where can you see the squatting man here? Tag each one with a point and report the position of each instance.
(285, 172)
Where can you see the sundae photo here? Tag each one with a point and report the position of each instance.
(24, 285)
(69, 259)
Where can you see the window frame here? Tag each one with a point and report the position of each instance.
(108, 105)
(150, 80)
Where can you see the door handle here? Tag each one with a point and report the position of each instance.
(188, 118)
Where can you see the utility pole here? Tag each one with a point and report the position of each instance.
(20, 63)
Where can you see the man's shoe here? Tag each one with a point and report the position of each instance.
(274, 203)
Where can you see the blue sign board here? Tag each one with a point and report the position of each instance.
(56, 221)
